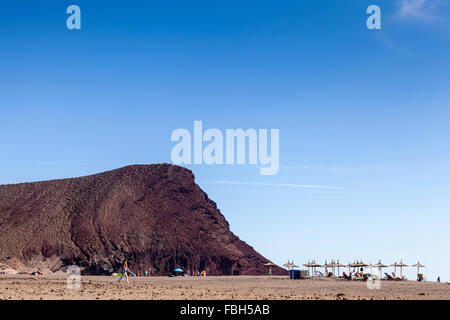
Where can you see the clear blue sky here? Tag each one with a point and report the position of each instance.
(363, 113)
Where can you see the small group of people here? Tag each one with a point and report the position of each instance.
(198, 273)
(357, 276)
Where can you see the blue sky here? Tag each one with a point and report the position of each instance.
(363, 113)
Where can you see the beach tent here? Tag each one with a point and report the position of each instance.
(418, 265)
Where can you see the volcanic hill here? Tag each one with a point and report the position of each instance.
(154, 215)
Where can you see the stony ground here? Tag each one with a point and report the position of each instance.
(226, 287)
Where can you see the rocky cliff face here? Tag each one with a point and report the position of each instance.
(155, 215)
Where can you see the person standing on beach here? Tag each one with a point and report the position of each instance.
(124, 270)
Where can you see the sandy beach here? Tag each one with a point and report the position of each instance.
(54, 287)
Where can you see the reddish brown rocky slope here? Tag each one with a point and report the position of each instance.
(155, 215)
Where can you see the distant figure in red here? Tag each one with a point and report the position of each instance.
(124, 270)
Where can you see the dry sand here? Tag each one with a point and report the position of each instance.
(19, 287)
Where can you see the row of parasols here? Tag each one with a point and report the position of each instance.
(358, 264)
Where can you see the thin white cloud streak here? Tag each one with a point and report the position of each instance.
(268, 184)
(419, 10)
(322, 168)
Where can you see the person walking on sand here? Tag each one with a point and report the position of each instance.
(124, 270)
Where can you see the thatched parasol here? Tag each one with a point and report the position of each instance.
(362, 264)
(400, 265)
(314, 265)
(308, 265)
(333, 266)
(290, 265)
(338, 265)
(269, 265)
(395, 267)
(325, 265)
(358, 264)
(370, 266)
(379, 265)
(418, 265)
(349, 266)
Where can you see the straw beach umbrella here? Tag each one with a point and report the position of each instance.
(401, 265)
(269, 265)
(353, 265)
(288, 265)
(395, 264)
(338, 265)
(349, 266)
(308, 265)
(359, 264)
(379, 265)
(333, 267)
(418, 265)
(327, 265)
(370, 266)
(362, 264)
(314, 265)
